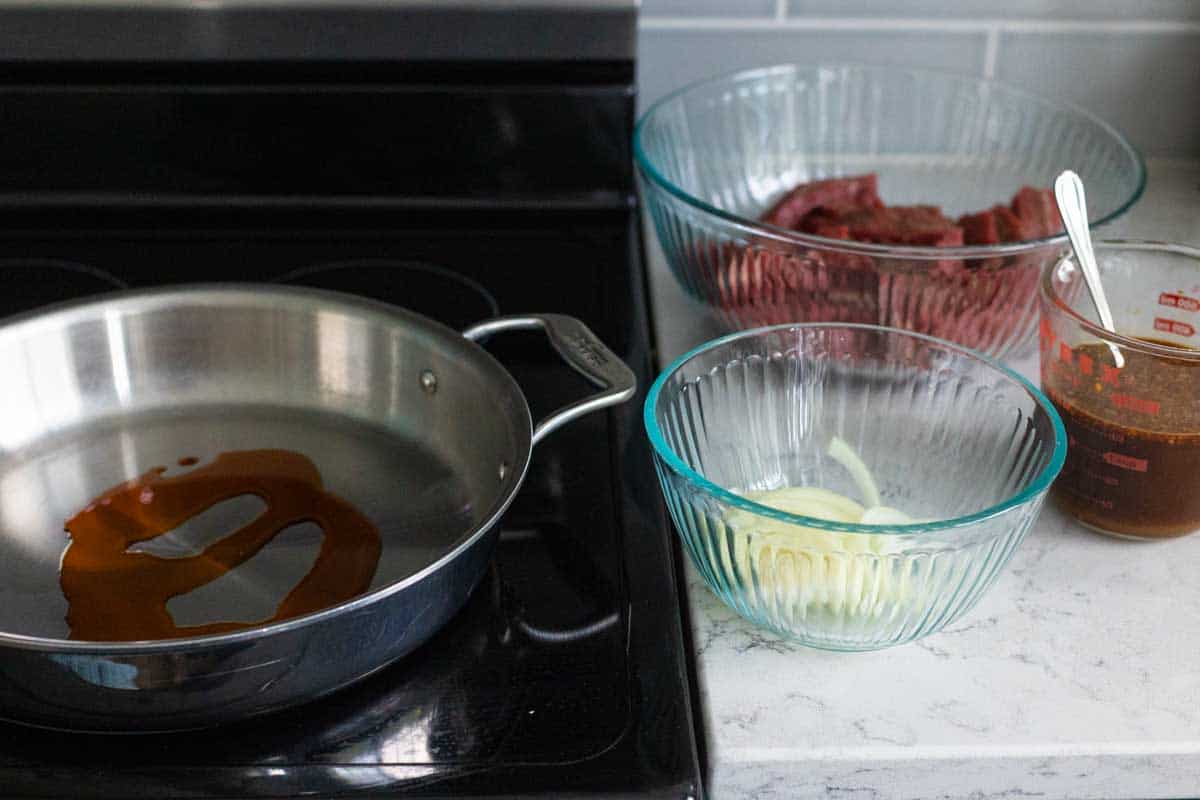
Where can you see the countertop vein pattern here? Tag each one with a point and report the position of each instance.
(1077, 675)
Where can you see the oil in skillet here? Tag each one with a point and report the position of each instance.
(118, 595)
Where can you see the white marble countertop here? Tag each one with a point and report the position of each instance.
(1077, 675)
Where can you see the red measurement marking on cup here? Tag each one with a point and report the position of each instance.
(1064, 352)
(1099, 477)
(1085, 363)
(1110, 375)
(1046, 334)
(1180, 301)
(1108, 433)
(1126, 462)
(1139, 404)
(1173, 326)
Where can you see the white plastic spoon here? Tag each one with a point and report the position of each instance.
(1072, 205)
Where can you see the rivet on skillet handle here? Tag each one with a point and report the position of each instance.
(580, 348)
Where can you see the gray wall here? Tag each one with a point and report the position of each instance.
(1136, 63)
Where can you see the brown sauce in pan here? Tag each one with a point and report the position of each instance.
(117, 595)
(1133, 461)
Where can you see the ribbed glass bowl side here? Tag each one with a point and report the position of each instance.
(842, 600)
(947, 437)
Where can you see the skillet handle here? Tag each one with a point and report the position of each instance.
(580, 348)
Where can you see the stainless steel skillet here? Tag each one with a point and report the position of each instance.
(411, 422)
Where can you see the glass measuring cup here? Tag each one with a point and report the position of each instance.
(1133, 433)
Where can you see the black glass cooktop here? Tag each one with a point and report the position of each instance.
(565, 674)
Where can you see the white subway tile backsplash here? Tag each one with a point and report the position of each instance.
(1135, 63)
(708, 8)
(671, 58)
(1147, 85)
(1185, 10)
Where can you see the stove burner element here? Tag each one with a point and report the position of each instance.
(31, 283)
(427, 289)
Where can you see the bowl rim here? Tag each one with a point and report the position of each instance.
(1039, 485)
(785, 235)
(1054, 299)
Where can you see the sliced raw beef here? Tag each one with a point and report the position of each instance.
(981, 302)
(761, 287)
(906, 225)
(980, 228)
(1009, 226)
(850, 208)
(997, 224)
(835, 194)
(824, 222)
(1037, 211)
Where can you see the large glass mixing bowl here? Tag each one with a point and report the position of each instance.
(713, 156)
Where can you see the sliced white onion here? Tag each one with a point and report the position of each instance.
(802, 571)
(844, 454)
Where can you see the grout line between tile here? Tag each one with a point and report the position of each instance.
(982, 25)
(991, 51)
(802, 23)
(1096, 26)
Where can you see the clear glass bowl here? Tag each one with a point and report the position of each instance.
(949, 435)
(713, 156)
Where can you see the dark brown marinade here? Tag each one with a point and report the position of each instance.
(1133, 464)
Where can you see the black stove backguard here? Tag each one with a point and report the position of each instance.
(459, 190)
(339, 139)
